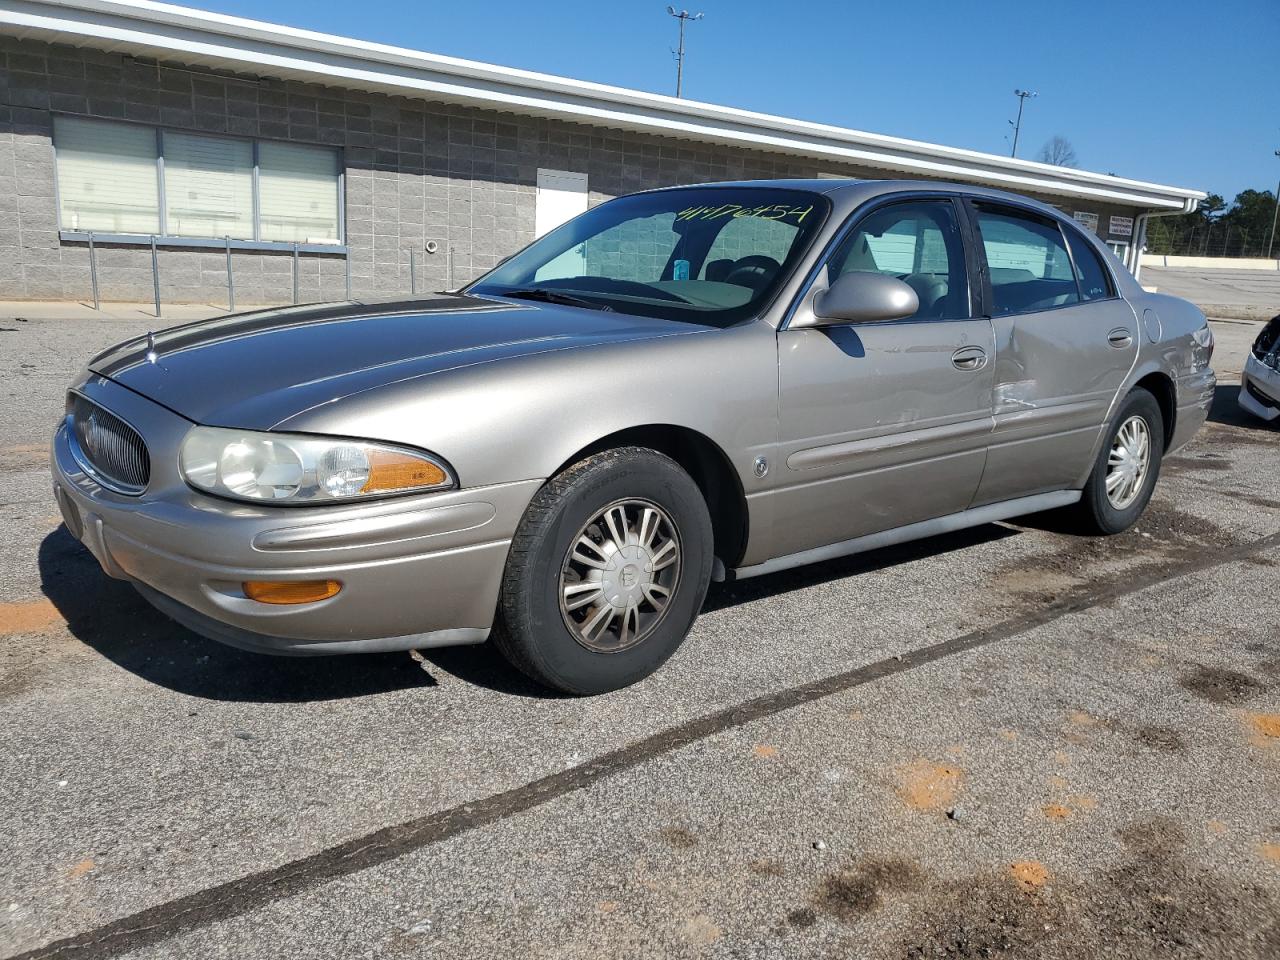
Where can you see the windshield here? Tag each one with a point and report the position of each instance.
(707, 255)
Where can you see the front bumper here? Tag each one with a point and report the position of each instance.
(1260, 389)
(416, 572)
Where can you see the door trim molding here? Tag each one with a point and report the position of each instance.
(833, 453)
(912, 531)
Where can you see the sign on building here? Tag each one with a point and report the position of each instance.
(1086, 219)
(1121, 227)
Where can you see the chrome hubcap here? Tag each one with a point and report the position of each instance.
(1128, 462)
(620, 575)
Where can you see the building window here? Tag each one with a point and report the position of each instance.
(208, 186)
(121, 178)
(298, 187)
(107, 177)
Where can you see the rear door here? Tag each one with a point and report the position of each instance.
(1064, 344)
(885, 424)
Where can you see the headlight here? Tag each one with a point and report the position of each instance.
(291, 468)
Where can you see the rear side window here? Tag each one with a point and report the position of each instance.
(1095, 284)
(1027, 261)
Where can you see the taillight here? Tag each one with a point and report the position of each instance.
(1204, 337)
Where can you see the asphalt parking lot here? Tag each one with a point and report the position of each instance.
(1007, 742)
(1245, 294)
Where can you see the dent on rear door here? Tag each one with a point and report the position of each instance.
(1057, 373)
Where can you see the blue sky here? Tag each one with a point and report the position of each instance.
(1180, 91)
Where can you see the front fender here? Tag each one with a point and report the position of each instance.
(521, 418)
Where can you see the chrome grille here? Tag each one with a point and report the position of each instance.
(109, 448)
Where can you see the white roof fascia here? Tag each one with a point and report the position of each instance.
(233, 43)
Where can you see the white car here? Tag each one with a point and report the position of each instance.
(1260, 385)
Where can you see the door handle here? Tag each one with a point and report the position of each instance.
(1120, 338)
(969, 358)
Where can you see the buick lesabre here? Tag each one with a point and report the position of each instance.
(679, 386)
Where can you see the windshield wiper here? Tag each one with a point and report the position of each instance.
(555, 296)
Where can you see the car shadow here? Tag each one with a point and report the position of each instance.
(113, 619)
(1226, 409)
(724, 595)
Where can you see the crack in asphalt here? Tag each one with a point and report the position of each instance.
(244, 894)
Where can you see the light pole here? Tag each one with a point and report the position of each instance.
(1022, 96)
(684, 16)
(1274, 216)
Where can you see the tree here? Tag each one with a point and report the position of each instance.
(1238, 229)
(1185, 233)
(1058, 151)
(1211, 207)
(1250, 219)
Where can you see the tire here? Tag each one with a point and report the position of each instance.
(1097, 512)
(568, 650)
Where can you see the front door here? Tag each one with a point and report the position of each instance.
(885, 424)
(1065, 343)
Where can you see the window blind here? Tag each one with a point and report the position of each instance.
(109, 182)
(107, 176)
(208, 186)
(298, 193)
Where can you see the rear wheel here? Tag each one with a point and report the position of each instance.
(1124, 475)
(606, 573)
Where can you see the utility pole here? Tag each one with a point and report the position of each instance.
(1022, 96)
(684, 16)
(1274, 216)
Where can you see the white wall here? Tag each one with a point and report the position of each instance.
(1210, 263)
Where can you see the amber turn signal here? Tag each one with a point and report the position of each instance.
(291, 591)
(389, 470)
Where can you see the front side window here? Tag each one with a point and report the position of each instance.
(1027, 261)
(917, 242)
(707, 255)
(125, 178)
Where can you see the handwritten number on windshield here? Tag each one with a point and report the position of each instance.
(776, 211)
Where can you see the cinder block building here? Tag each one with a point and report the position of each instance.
(145, 146)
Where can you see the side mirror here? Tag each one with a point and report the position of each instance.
(864, 297)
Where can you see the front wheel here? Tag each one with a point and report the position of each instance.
(1124, 475)
(606, 573)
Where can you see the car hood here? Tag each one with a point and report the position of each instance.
(255, 370)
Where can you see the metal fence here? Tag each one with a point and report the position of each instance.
(1210, 240)
(415, 264)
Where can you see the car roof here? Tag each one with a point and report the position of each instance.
(842, 190)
